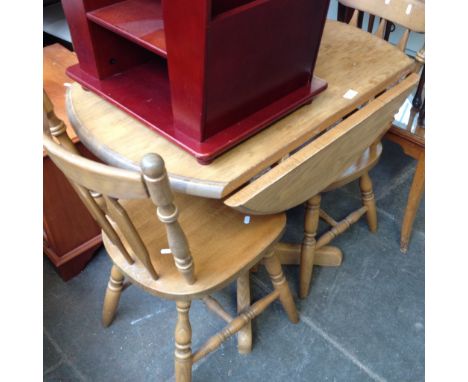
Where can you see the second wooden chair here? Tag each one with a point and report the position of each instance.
(410, 15)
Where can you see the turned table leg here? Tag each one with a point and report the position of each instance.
(306, 264)
(368, 200)
(414, 198)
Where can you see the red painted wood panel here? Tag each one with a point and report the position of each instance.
(233, 66)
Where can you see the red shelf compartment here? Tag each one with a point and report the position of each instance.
(140, 21)
(206, 74)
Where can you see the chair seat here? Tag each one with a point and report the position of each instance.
(221, 244)
(365, 163)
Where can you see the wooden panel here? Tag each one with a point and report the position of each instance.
(186, 52)
(121, 140)
(321, 162)
(278, 56)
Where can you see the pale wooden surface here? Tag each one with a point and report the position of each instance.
(348, 59)
(368, 159)
(212, 268)
(310, 170)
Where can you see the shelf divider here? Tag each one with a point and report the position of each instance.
(140, 21)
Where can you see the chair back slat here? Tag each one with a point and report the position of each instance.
(98, 214)
(381, 28)
(129, 232)
(404, 40)
(100, 187)
(407, 13)
(354, 19)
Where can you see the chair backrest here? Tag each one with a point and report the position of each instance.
(100, 187)
(407, 13)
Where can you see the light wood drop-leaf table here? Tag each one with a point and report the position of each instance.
(288, 162)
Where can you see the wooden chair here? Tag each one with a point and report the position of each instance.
(410, 136)
(143, 223)
(410, 15)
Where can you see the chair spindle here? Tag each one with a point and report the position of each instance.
(157, 182)
(381, 29)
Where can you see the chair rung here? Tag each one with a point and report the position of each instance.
(327, 218)
(341, 227)
(213, 305)
(235, 325)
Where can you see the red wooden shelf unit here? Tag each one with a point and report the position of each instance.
(206, 74)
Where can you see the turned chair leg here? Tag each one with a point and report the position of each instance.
(414, 198)
(112, 297)
(306, 263)
(183, 343)
(368, 200)
(244, 336)
(273, 267)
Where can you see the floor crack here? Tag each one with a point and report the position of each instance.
(64, 359)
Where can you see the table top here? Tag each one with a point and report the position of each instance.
(349, 59)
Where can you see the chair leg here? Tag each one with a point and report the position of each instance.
(244, 336)
(414, 198)
(273, 267)
(183, 343)
(112, 297)
(306, 263)
(368, 200)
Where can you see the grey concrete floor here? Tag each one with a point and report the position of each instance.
(363, 321)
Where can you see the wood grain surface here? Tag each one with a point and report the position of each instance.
(348, 59)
